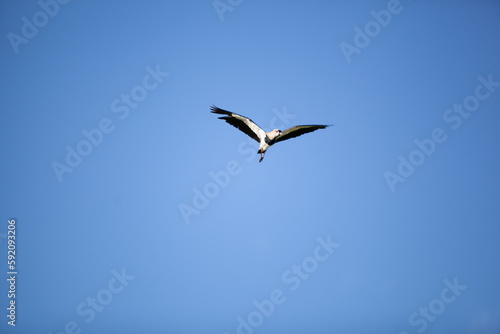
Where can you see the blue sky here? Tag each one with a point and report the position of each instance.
(137, 210)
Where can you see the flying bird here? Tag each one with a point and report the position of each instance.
(265, 139)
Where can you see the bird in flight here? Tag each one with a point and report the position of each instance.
(265, 139)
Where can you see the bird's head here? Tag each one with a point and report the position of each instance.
(275, 133)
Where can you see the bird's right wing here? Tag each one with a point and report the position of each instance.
(298, 130)
(242, 123)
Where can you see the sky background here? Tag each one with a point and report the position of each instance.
(192, 263)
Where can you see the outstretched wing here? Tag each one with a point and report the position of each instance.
(298, 131)
(242, 123)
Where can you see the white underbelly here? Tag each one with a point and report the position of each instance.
(263, 146)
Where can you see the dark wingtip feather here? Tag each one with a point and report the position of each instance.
(217, 110)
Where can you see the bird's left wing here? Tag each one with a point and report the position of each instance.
(242, 123)
(298, 131)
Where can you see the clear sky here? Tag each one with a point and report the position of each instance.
(138, 211)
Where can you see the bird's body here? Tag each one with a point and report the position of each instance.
(265, 139)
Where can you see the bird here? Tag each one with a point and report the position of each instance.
(265, 139)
